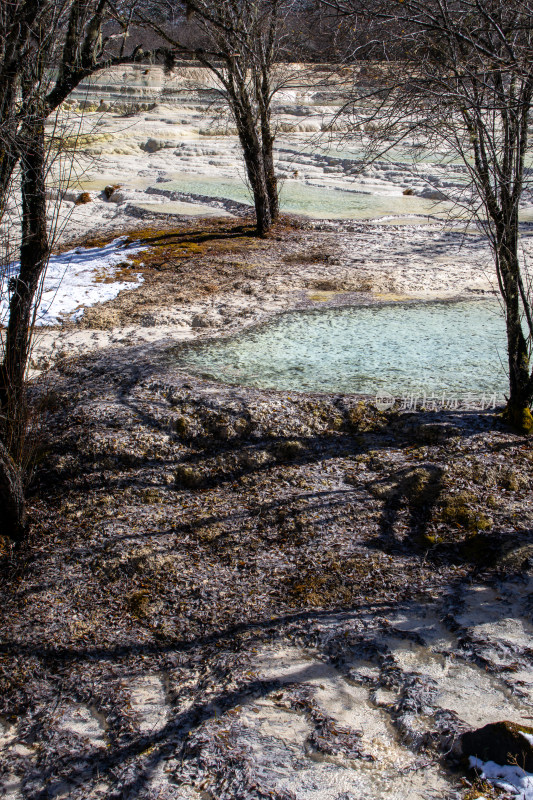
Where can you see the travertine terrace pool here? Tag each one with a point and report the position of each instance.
(455, 349)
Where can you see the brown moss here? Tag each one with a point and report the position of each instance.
(335, 581)
(491, 501)
(165, 256)
(313, 255)
(511, 480)
(120, 272)
(151, 496)
(5, 547)
(181, 425)
(458, 509)
(365, 418)
(422, 488)
(139, 603)
(288, 451)
(481, 789)
(188, 477)
(321, 297)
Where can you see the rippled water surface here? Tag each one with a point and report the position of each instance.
(401, 348)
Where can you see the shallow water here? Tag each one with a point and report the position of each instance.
(321, 174)
(310, 200)
(401, 349)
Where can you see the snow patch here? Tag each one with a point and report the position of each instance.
(515, 781)
(76, 279)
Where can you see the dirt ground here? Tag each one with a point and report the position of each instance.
(237, 593)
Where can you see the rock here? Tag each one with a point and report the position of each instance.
(432, 194)
(419, 430)
(501, 742)
(110, 190)
(153, 145)
(408, 192)
(83, 198)
(118, 197)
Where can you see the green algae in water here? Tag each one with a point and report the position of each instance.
(402, 349)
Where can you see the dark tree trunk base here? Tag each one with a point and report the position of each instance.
(12, 504)
(519, 417)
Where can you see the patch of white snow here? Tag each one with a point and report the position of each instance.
(513, 780)
(76, 279)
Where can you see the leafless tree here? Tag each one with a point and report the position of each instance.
(243, 41)
(46, 48)
(459, 74)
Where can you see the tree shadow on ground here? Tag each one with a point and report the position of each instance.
(406, 496)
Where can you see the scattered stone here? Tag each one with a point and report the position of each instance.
(153, 145)
(519, 559)
(423, 431)
(118, 197)
(83, 198)
(111, 189)
(432, 194)
(148, 321)
(206, 320)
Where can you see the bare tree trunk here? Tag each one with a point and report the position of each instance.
(520, 385)
(12, 503)
(255, 166)
(8, 162)
(34, 253)
(255, 170)
(244, 39)
(262, 90)
(270, 173)
(8, 135)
